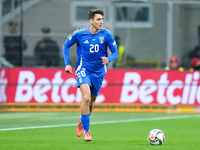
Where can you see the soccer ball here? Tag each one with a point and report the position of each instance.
(156, 137)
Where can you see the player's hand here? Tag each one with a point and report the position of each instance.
(68, 69)
(105, 60)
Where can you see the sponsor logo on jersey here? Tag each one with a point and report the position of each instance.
(101, 39)
(86, 42)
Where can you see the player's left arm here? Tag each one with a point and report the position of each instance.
(110, 58)
(113, 48)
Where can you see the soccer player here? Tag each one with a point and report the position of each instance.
(91, 67)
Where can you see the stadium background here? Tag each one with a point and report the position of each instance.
(151, 30)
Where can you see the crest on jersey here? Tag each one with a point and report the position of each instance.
(101, 39)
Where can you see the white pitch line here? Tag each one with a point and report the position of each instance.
(103, 122)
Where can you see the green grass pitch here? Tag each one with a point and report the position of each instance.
(110, 131)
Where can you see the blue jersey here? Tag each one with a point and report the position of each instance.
(90, 49)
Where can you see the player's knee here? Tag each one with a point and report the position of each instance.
(87, 99)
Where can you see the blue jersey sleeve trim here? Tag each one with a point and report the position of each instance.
(79, 30)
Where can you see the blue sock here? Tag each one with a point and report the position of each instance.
(85, 122)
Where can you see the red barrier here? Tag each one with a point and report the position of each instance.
(38, 85)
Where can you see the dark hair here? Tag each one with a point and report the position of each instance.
(93, 12)
(45, 29)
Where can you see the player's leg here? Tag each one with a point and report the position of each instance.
(95, 88)
(86, 99)
(83, 82)
(85, 110)
(84, 119)
(93, 98)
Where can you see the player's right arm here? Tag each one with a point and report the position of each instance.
(66, 46)
(68, 69)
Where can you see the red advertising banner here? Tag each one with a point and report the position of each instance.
(120, 86)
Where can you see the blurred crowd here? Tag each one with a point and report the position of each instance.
(46, 51)
(175, 65)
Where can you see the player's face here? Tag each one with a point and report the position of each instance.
(97, 22)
